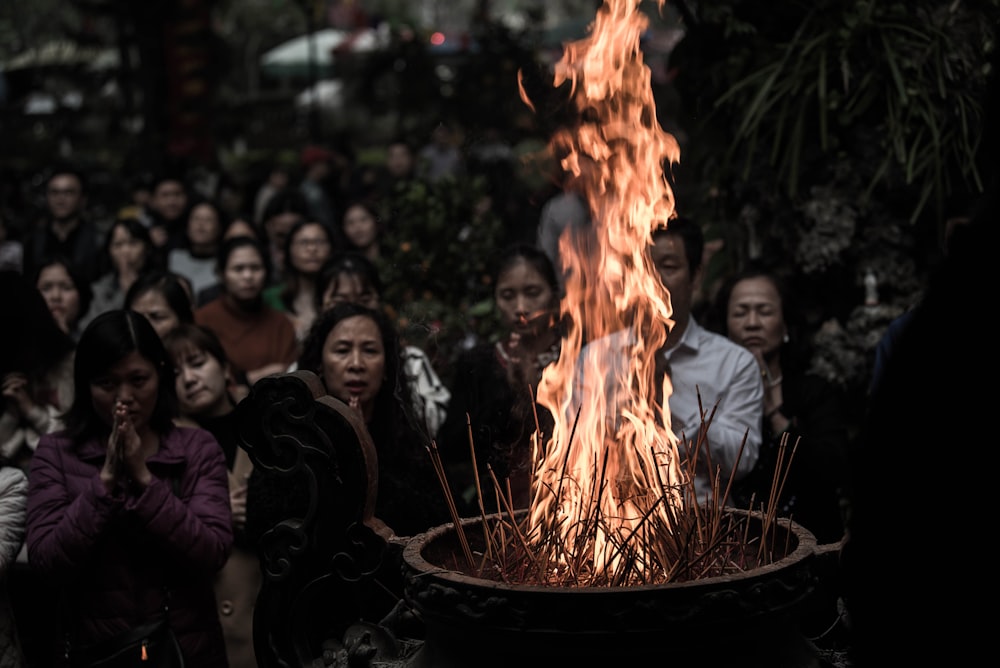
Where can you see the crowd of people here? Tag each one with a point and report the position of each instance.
(123, 488)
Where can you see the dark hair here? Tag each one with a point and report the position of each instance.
(291, 275)
(794, 350)
(286, 200)
(199, 336)
(392, 403)
(107, 340)
(10, 224)
(83, 288)
(691, 234)
(231, 245)
(350, 263)
(135, 229)
(534, 256)
(174, 174)
(31, 341)
(67, 169)
(176, 291)
(194, 203)
(372, 211)
(255, 231)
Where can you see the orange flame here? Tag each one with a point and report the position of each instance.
(612, 461)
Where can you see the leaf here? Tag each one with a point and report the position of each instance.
(822, 101)
(481, 308)
(890, 58)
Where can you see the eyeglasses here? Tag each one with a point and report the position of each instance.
(62, 192)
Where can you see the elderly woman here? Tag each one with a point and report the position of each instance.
(801, 407)
(355, 351)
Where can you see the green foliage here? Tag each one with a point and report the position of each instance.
(912, 72)
(435, 263)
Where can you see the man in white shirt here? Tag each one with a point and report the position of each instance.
(701, 363)
(708, 372)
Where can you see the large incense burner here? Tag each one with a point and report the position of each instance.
(742, 619)
(323, 593)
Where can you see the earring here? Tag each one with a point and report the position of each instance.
(786, 339)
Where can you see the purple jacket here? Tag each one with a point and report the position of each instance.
(115, 555)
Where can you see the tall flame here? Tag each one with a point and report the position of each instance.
(610, 471)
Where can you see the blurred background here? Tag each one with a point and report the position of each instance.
(832, 138)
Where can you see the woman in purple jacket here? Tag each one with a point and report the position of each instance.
(127, 513)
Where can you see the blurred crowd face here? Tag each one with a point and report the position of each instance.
(154, 306)
(354, 362)
(169, 199)
(128, 253)
(243, 277)
(61, 295)
(202, 383)
(204, 227)
(399, 160)
(64, 196)
(525, 299)
(133, 381)
(360, 226)
(753, 316)
(348, 287)
(310, 248)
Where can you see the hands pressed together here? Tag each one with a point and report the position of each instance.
(125, 461)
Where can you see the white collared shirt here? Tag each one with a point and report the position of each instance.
(723, 373)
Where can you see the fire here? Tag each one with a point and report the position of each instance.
(609, 481)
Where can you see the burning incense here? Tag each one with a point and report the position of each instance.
(606, 376)
(613, 499)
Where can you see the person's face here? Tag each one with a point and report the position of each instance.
(360, 227)
(753, 317)
(349, 288)
(203, 225)
(134, 382)
(169, 199)
(141, 196)
(399, 160)
(153, 305)
(310, 249)
(201, 383)
(243, 278)
(278, 179)
(671, 263)
(64, 196)
(524, 298)
(61, 295)
(354, 361)
(127, 252)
